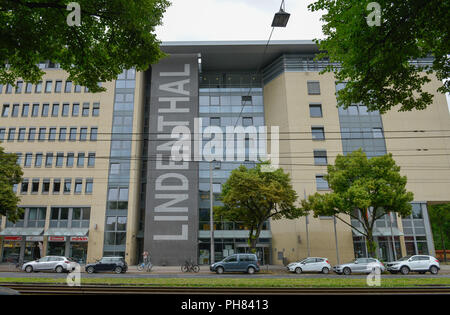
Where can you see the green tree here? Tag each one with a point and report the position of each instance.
(440, 224)
(252, 196)
(10, 174)
(375, 60)
(364, 189)
(112, 36)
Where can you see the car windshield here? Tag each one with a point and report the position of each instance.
(404, 258)
(302, 260)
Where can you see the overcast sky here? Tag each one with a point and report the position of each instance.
(208, 20)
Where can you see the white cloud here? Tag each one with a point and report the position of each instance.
(203, 20)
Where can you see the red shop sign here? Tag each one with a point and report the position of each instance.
(79, 239)
(57, 239)
(13, 238)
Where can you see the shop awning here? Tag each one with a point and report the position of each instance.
(66, 232)
(22, 232)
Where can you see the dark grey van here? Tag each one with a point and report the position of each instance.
(237, 263)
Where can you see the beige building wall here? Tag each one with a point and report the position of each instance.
(97, 200)
(286, 102)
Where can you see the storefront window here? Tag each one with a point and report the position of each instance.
(56, 248)
(11, 251)
(78, 252)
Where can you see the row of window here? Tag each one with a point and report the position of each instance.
(55, 186)
(59, 160)
(49, 87)
(44, 111)
(41, 134)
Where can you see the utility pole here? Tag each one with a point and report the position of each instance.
(392, 237)
(211, 211)
(336, 238)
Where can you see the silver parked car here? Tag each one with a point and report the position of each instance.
(416, 263)
(310, 264)
(50, 263)
(360, 265)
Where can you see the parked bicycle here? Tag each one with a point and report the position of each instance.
(147, 266)
(189, 266)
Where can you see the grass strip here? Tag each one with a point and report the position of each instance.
(236, 283)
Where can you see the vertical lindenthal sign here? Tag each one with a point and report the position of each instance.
(171, 222)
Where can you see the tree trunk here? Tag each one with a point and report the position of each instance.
(371, 245)
(253, 239)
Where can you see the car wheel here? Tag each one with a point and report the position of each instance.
(325, 270)
(434, 270)
(251, 270)
(90, 270)
(118, 270)
(29, 269)
(59, 269)
(298, 270)
(347, 271)
(219, 270)
(404, 270)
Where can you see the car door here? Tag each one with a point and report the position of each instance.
(40, 264)
(308, 264)
(318, 265)
(360, 265)
(424, 262)
(231, 263)
(104, 264)
(414, 263)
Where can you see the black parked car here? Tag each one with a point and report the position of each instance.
(108, 264)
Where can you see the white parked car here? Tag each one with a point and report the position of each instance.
(416, 263)
(50, 263)
(310, 264)
(360, 265)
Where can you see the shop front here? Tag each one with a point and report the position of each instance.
(21, 244)
(68, 242)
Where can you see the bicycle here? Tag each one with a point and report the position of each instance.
(145, 265)
(190, 267)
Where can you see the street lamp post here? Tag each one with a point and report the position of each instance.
(211, 211)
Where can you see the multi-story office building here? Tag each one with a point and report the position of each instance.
(100, 177)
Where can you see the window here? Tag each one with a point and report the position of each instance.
(49, 160)
(68, 87)
(95, 109)
(28, 158)
(70, 159)
(38, 88)
(22, 132)
(320, 157)
(67, 185)
(80, 217)
(85, 110)
(83, 134)
(80, 160)
(58, 86)
(65, 110)
(38, 160)
(11, 134)
(31, 134)
(2, 134)
(59, 217)
(1, 88)
(73, 134)
(28, 87)
(45, 108)
(48, 86)
(59, 159)
(62, 134)
(46, 186)
(247, 121)
(19, 86)
(24, 186)
(75, 109)
(5, 111)
(377, 132)
(315, 110)
(35, 186)
(321, 183)
(318, 133)
(36, 217)
(35, 111)
(353, 110)
(56, 186)
(91, 159)
(8, 89)
(313, 87)
(25, 109)
(114, 169)
(214, 121)
(15, 110)
(77, 88)
(52, 134)
(94, 132)
(55, 110)
(78, 185)
(89, 186)
(19, 158)
(42, 132)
